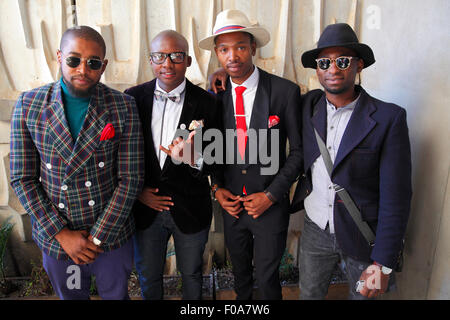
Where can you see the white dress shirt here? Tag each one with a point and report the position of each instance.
(319, 204)
(249, 94)
(169, 112)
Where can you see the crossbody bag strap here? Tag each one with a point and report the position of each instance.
(344, 196)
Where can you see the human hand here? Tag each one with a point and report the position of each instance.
(218, 80)
(256, 204)
(375, 281)
(230, 202)
(182, 151)
(149, 197)
(77, 245)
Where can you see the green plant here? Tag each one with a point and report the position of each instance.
(39, 284)
(286, 265)
(5, 232)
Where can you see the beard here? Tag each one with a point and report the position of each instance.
(77, 92)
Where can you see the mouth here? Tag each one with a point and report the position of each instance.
(82, 81)
(168, 74)
(234, 67)
(334, 80)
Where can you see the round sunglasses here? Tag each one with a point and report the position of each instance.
(92, 63)
(160, 57)
(341, 62)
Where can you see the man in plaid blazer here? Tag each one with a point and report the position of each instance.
(77, 166)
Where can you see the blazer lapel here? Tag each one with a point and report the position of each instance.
(358, 128)
(260, 116)
(319, 118)
(187, 115)
(89, 136)
(146, 113)
(57, 132)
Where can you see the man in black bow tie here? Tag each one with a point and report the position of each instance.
(176, 198)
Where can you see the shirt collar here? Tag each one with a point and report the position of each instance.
(350, 106)
(250, 83)
(177, 90)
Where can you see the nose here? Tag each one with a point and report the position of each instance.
(232, 55)
(167, 63)
(83, 67)
(333, 68)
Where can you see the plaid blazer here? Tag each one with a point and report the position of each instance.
(88, 184)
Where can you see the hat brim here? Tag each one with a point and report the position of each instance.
(261, 35)
(364, 52)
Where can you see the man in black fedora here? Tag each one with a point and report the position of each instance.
(357, 182)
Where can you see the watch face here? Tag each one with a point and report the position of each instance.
(386, 270)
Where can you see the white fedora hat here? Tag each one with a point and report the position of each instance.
(235, 21)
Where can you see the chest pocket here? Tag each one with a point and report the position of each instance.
(364, 163)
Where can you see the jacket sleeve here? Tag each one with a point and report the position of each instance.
(25, 172)
(292, 167)
(130, 177)
(395, 192)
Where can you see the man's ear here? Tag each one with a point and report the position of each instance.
(253, 45)
(59, 56)
(105, 63)
(360, 64)
(189, 61)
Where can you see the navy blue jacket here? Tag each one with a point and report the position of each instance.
(373, 164)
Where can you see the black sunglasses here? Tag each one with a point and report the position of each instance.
(93, 64)
(160, 57)
(341, 62)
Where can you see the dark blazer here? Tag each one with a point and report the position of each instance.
(373, 164)
(188, 187)
(275, 96)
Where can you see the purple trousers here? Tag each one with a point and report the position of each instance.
(111, 270)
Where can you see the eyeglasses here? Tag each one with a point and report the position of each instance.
(93, 64)
(160, 57)
(341, 62)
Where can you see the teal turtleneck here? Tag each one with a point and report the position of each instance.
(75, 109)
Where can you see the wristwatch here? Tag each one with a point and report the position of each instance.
(384, 270)
(96, 241)
(214, 188)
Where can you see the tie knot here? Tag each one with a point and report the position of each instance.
(175, 97)
(240, 90)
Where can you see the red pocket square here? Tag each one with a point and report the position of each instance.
(108, 132)
(273, 121)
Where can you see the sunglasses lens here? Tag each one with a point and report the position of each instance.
(177, 57)
(94, 64)
(73, 62)
(323, 64)
(158, 57)
(342, 63)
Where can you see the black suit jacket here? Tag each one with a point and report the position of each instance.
(275, 96)
(188, 187)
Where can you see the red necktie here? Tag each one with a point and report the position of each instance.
(241, 126)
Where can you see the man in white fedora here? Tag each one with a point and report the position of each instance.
(255, 202)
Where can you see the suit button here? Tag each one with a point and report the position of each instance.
(49, 166)
(101, 164)
(88, 184)
(61, 205)
(64, 187)
(91, 203)
(244, 171)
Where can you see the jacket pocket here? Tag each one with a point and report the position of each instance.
(364, 163)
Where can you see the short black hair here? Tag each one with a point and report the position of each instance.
(84, 32)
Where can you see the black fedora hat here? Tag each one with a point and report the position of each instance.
(338, 35)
